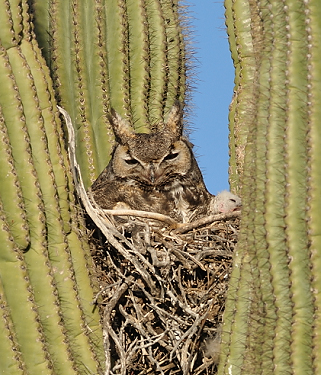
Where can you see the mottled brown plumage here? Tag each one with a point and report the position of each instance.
(154, 172)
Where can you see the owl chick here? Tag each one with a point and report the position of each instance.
(212, 345)
(154, 172)
(225, 202)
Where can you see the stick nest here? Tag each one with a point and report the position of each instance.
(162, 284)
(162, 296)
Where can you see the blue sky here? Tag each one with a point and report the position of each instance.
(213, 93)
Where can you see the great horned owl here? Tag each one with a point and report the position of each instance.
(154, 172)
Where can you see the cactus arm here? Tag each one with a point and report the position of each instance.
(279, 308)
(243, 303)
(136, 59)
(54, 263)
(241, 19)
(80, 260)
(59, 255)
(282, 208)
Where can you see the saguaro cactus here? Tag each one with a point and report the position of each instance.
(125, 54)
(272, 317)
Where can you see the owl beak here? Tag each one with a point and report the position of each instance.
(152, 173)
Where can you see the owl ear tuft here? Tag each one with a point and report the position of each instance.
(121, 128)
(174, 123)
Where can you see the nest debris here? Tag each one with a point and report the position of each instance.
(162, 314)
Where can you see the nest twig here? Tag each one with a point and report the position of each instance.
(162, 286)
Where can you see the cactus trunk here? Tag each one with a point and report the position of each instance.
(272, 319)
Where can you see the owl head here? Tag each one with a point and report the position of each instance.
(153, 160)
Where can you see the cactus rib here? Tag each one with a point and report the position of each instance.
(82, 16)
(118, 64)
(313, 29)
(296, 193)
(275, 186)
(139, 63)
(158, 60)
(174, 52)
(100, 106)
(241, 21)
(260, 335)
(18, 294)
(58, 156)
(12, 360)
(13, 205)
(10, 23)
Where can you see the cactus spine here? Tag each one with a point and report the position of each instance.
(272, 315)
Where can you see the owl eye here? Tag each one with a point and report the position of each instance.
(171, 156)
(131, 161)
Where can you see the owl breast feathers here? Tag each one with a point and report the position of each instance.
(154, 172)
